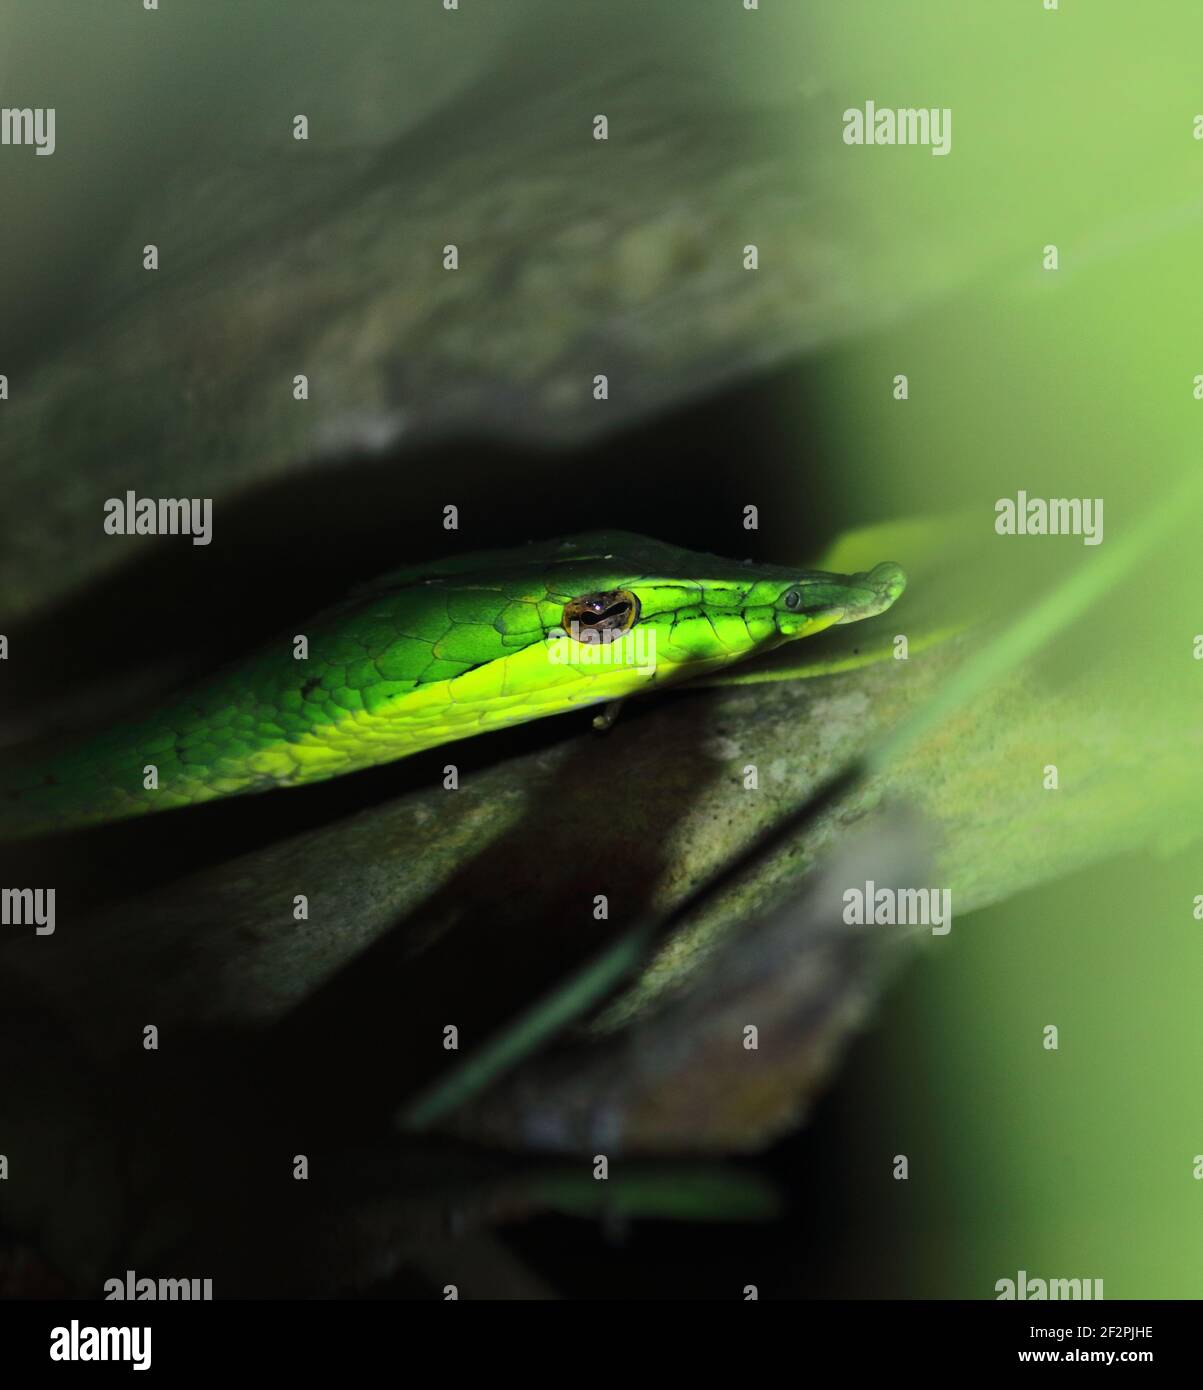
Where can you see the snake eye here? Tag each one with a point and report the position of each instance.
(793, 599)
(600, 617)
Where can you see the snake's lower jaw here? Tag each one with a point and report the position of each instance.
(809, 624)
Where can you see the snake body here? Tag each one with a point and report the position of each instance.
(436, 653)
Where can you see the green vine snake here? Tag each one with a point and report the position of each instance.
(436, 653)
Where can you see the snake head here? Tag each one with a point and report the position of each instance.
(819, 601)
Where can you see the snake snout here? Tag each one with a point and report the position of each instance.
(889, 580)
(876, 591)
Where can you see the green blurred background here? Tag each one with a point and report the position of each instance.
(1075, 128)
